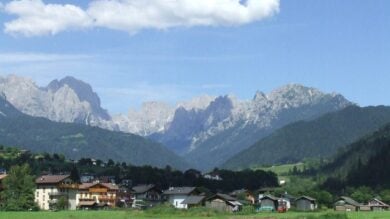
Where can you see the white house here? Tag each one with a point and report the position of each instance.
(50, 188)
(176, 196)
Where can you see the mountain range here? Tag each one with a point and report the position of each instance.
(76, 141)
(206, 130)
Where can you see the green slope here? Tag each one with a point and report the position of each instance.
(321, 137)
(365, 162)
(76, 141)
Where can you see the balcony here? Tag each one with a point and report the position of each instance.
(68, 186)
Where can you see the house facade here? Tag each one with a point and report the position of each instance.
(96, 195)
(50, 188)
(177, 195)
(377, 205)
(223, 202)
(145, 196)
(346, 204)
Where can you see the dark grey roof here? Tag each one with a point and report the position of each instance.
(269, 197)
(349, 200)
(223, 197)
(307, 198)
(142, 188)
(179, 191)
(238, 192)
(193, 200)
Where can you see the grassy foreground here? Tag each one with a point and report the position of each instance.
(188, 214)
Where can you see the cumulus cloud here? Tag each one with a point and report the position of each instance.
(34, 17)
(38, 18)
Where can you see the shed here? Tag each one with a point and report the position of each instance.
(223, 202)
(194, 201)
(346, 204)
(377, 205)
(305, 203)
(269, 203)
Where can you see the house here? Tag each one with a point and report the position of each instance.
(50, 188)
(377, 205)
(346, 204)
(268, 203)
(194, 201)
(176, 195)
(305, 203)
(212, 176)
(146, 193)
(223, 202)
(96, 195)
(263, 191)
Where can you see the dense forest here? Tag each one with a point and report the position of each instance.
(76, 141)
(162, 177)
(364, 163)
(318, 138)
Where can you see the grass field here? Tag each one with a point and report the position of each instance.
(184, 214)
(281, 170)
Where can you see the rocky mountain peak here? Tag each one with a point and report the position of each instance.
(84, 92)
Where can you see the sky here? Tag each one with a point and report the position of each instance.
(132, 51)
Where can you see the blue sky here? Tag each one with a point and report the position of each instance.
(341, 46)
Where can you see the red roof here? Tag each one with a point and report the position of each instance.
(107, 185)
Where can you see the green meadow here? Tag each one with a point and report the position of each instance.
(188, 214)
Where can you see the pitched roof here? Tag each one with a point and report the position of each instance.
(223, 197)
(142, 188)
(107, 185)
(179, 190)
(307, 198)
(269, 197)
(380, 203)
(238, 192)
(348, 200)
(193, 200)
(50, 179)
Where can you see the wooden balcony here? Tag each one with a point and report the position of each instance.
(69, 186)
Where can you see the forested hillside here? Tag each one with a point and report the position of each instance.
(77, 140)
(319, 138)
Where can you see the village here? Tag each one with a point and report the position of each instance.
(59, 191)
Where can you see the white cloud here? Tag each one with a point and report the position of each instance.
(38, 18)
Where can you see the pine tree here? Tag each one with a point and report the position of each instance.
(18, 194)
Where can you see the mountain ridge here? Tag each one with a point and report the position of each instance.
(321, 137)
(76, 141)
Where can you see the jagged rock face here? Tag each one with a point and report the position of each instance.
(151, 118)
(188, 123)
(156, 117)
(227, 126)
(67, 100)
(83, 91)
